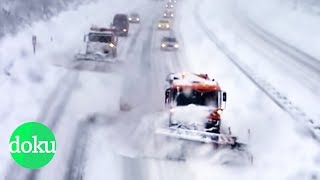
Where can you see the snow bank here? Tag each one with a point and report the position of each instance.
(15, 15)
(287, 20)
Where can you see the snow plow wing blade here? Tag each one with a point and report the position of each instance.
(198, 136)
(85, 57)
(91, 57)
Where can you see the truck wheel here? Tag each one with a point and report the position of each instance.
(210, 125)
(114, 54)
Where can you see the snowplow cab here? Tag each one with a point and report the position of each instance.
(101, 40)
(188, 88)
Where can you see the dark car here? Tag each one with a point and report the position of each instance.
(121, 24)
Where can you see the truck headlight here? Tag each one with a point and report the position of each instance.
(111, 45)
(219, 111)
(164, 14)
(159, 25)
(176, 45)
(138, 19)
(167, 26)
(171, 15)
(130, 19)
(163, 45)
(124, 30)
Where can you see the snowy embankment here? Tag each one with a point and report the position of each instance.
(16, 15)
(294, 25)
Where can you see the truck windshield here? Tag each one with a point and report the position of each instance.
(201, 98)
(120, 19)
(100, 38)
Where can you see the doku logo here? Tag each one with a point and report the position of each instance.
(32, 145)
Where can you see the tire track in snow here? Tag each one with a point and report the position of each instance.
(76, 167)
(282, 101)
(298, 63)
(283, 61)
(306, 60)
(50, 115)
(78, 156)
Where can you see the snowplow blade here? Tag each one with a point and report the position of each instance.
(227, 151)
(198, 136)
(91, 57)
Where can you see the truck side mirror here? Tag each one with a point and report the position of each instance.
(224, 96)
(85, 37)
(167, 96)
(223, 100)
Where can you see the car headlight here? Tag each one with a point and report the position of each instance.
(164, 14)
(130, 19)
(219, 111)
(163, 45)
(171, 15)
(159, 25)
(124, 30)
(167, 26)
(111, 45)
(172, 6)
(176, 45)
(138, 19)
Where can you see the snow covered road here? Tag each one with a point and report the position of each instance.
(199, 51)
(103, 115)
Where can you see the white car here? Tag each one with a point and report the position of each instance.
(169, 44)
(134, 18)
(164, 24)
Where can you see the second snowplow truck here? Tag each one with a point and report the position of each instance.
(101, 43)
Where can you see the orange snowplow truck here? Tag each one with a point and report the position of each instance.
(187, 88)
